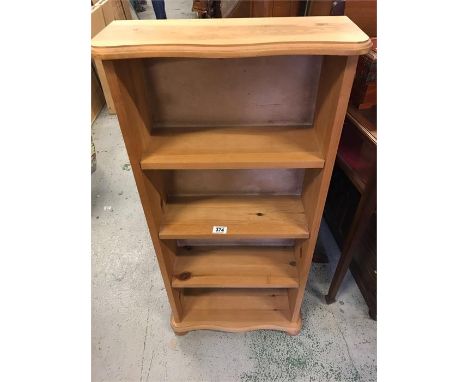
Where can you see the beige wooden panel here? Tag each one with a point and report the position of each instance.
(236, 37)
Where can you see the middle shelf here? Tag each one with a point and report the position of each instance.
(245, 217)
(235, 267)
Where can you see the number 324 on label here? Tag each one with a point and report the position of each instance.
(218, 229)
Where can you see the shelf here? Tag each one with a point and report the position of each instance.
(235, 267)
(246, 217)
(236, 310)
(233, 148)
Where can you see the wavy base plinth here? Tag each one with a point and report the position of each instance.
(181, 328)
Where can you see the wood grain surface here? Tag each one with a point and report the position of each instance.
(233, 148)
(235, 267)
(331, 35)
(235, 310)
(246, 217)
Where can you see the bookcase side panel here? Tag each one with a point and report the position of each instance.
(126, 82)
(332, 100)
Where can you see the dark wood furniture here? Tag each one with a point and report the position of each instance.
(364, 91)
(362, 12)
(262, 8)
(207, 8)
(351, 208)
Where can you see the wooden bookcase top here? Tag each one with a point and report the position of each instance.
(227, 38)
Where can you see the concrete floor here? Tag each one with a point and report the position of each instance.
(131, 336)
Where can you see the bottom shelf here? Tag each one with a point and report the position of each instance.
(236, 310)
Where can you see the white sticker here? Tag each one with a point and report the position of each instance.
(219, 229)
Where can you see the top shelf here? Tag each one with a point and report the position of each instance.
(227, 38)
(233, 148)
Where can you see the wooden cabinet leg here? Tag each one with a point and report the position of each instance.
(365, 209)
(340, 272)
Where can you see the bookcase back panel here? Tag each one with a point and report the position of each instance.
(275, 90)
(245, 242)
(232, 182)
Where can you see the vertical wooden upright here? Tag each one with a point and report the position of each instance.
(232, 140)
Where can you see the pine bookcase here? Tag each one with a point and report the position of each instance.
(232, 128)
